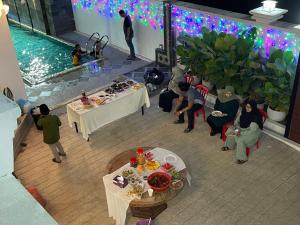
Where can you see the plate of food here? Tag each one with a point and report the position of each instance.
(136, 191)
(216, 113)
(127, 173)
(149, 156)
(110, 91)
(167, 167)
(152, 165)
(137, 86)
(176, 184)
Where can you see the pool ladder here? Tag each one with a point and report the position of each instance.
(90, 46)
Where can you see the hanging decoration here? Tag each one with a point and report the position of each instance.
(191, 22)
(147, 12)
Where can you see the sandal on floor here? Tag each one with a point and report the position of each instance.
(178, 122)
(56, 161)
(240, 161)
(225, 149)
(62, 154)
(187, 130)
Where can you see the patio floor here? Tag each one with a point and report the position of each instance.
(263, 191)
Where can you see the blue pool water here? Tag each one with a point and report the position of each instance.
(40, 56)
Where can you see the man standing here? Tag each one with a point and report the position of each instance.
(128, 32)
(50, 125)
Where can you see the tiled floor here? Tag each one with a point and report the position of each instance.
(263, 191)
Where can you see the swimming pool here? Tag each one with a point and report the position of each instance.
(40, 57)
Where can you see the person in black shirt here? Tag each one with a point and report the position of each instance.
(128, 32)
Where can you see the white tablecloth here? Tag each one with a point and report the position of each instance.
(121, 105)
(117, 199)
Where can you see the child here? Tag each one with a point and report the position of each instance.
(50, 125)
(76, 55)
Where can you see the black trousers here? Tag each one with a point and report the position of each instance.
(212, 125)
(131, 47)
(190, 113)
(166, 100)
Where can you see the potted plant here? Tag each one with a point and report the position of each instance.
(280, 69)
(193, 53)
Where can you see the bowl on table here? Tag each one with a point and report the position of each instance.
(159, 181)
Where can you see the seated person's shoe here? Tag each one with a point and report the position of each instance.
(240, 161)
(131, 58)
(178, 122)
(213, 133)
(187, 130)
(62, 154)
(56, 161)
(225, 148)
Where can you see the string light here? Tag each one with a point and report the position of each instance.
(150, 13)
(184, 21)
(146, 12)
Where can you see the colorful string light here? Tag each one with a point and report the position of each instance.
(146, 12)
(192, 22)
(151, 14)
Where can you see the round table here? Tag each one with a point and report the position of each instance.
(147, 206)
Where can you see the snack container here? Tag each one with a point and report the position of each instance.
(119, 183)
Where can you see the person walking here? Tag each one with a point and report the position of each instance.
(50, 125)
(128, 32)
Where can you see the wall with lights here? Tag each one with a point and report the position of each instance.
(102, 16)
(191, 22)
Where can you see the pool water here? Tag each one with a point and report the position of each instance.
(39, 56)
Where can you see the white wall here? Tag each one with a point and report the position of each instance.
(9, 112)
(145, 38)
(10, 73)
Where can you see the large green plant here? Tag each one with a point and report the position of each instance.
(280, 71)
(195, 51)
(231, 58)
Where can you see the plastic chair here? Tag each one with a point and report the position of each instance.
(34, 192)
(264, 116)
(204, 91)
(225, 128)
(189, 79)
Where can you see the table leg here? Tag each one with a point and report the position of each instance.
(142, 110)
(76, 128)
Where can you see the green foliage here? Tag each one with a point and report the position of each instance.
(280, 73)
(224, 59)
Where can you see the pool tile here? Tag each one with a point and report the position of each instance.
(117, 66)
(83, 79)
(127, 62)
(58, 88)
(45, 93)
(32, 99)
(108, 70)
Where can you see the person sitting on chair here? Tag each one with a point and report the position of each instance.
(189, 101)
(228, 105)
(245, 132)
(167, 96)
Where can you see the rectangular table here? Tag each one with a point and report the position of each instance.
(121, 105)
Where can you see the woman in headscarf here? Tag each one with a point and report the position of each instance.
(228, 104)
(166, 97)
(245, 132)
